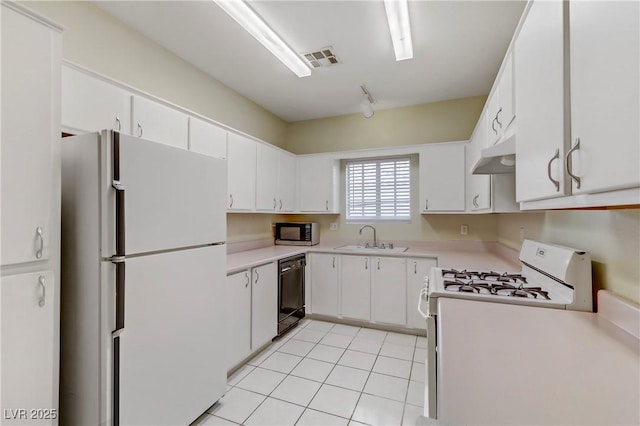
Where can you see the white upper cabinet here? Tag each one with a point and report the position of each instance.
(540, 103)
(266, 177)
(478, 187)
(31, 56)
(605, 56)
(206, 138)
(286, 182)
(501, 110)
(442, 177)
(156, 122)
(90, 104)
(241, 169)
(318, 184)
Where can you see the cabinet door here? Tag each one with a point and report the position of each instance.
(206, 138)
(442, 178)
(266, 177)
(356, 287)
(286, 182)
(389, 290)
(264, 305)
(540, 103)
(478, 187)
(238, 322)
(506, 111)
(29, 132)
(90, 104)
(417, 270)
(324, 284)
(318, 184)
(605, 57)
(159, 123)
(28, 349)
(241, 163)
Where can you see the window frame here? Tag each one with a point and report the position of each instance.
(379, 218)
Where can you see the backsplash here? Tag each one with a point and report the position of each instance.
(611, 236)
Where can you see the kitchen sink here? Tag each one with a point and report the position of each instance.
(369, 249)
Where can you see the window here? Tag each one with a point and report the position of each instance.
(379, 189)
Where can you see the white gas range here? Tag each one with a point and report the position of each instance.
(551, 277)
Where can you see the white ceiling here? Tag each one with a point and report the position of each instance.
(458, 47)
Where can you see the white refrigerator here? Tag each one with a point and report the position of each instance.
(143, 272)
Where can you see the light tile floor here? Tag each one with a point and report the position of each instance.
(323, 373)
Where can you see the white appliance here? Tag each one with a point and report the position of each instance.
(552, 276)
(143, 272)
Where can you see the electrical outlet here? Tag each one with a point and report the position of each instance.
(464, 229)
(333, 226)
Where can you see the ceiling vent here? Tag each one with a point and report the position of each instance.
(321, 58)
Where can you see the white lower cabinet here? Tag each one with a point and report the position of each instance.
(238, 317)
(252, 311)
(355, 280)
(264, 304)
(381, 290)
(324, 283)
(389, 290)
(29, 378)
(417, 270)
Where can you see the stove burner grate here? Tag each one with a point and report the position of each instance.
(491, 283)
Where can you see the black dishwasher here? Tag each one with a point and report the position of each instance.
(290, 292)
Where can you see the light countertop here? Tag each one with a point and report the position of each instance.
(449, 254)
(508, 364)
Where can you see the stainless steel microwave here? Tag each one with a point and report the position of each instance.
(297, 233)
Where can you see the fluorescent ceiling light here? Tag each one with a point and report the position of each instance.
(398, 19)
(254, 25)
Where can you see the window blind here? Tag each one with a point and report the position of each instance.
(379, 189)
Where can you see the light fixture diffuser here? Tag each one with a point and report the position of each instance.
(366, 104)
(399, 27)
(254, 25)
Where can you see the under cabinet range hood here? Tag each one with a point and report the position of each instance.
(497, 159)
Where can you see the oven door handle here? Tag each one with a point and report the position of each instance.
(424, 295)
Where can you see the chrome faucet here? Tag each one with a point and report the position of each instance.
(375, 239)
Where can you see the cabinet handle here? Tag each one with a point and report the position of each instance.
(326, 205)
(246, 275)
(426, 204)
(366, 263)
(257, 277)
(569, 163)
(498, 115)
(230, 200)
(118, 123)
(41, 239)
(41, 302)
(274, 204)
(415, 268)
(280, 204)
(139, 130)
(475, 202)
(334, 262)
(556, 156)
(493, 127)
(378, 264)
